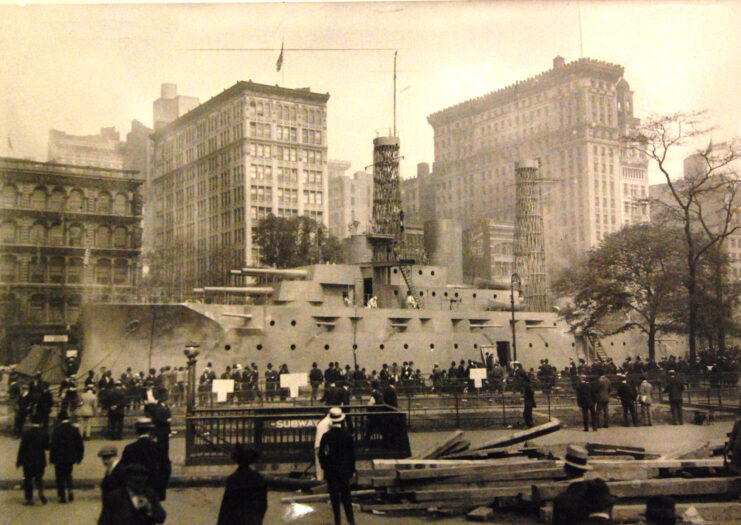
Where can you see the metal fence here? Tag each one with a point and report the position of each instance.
(286, 434)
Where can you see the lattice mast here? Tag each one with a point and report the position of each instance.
(529, 247)
(388, 217)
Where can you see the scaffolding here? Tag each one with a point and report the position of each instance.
(529, 250)
(388, 217)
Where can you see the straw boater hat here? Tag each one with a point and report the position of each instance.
(577, 457)
(336, 416)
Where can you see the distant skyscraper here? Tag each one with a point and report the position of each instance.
(104, 150)
(350, 200)
(171, 106)
(250, 151)
(571, 118)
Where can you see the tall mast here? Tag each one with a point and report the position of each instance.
(395, 53)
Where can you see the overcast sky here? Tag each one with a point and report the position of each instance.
(80, 68)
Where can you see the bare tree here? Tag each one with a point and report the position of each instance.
(703, 201)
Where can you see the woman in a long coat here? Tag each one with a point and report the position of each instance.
(246, 497)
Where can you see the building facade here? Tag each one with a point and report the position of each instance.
(488, 252)
(350, 203)
(171, 106)
(69, 235)
(571, 118)
(104, 150)
(248, 152)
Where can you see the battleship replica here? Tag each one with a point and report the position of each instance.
(320, 313)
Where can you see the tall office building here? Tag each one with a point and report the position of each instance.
(68, 235)
(350, 201)
(104, 150)
(250, 151)
(171, 106)
(571, 118)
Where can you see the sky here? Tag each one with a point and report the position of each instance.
(78, 68)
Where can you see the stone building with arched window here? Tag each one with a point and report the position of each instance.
(69, 235)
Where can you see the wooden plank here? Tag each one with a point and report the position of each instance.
(596, 449)
(608, 446)
(379, 464)
(480, 514)
(402, 507)
(689, 451)
(489, 453)
(487, 492)
(324, 497)
(478, 477)
(525, 435)
(438, 448)
(645, 488)
(661, 463)
(458, 470)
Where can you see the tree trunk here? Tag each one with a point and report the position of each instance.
(692, 293)
(723, 311)
(652, 341)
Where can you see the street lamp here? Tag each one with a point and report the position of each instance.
(191, 352)
(518, 282)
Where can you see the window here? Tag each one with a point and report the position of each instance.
(74, 270)
(10, 195)
(7, 231)
(104, 202)
(38, 198)
(57, 199)
(56, 235)
(121, 272)
(37, 269)
(103, 237)
(56, 270)
(8, 269)
(103, 272)
(119, 237)
(36, 308)
(76, 201)
(120, 204)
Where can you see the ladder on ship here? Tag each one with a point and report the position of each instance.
(406, 272)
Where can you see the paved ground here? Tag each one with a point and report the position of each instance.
(200, 505)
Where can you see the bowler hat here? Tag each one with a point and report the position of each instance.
(577, 457)
(244, 454)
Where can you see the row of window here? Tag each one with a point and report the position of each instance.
(75, 201)
(74, 235)
(62, 270)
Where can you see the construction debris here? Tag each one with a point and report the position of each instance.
(451, 478)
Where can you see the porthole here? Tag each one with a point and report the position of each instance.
(455, 346)
(434, 294)
(293, 347)
(396, 292)
(475, 345)
(421, 293)
(406, 346)
(445, 294)
(573, 345)
(293, 322)
(474, 295)
(456, 294)
(495, 296)
(381, 346)
(420, 272)
(326, 347)
(623, 343)
(396, 271)
(432, 272)
(546, 345)
(259, 347)
(612, 343)
(227, 347)
(530, 345)
(272, 323)
(432, 346)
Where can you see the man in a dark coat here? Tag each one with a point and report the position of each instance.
(66, 449)
(114, 477)
(569, 506)
(599, 502)
(145, 451)
(586, 403)
(161, 417)
(390, 397)
(528, 397)
(245, 498)
(627, 394)
(45, 404)
(115, 400)
(674, 388)
(32, 457)
(134, 504)
(337, 458)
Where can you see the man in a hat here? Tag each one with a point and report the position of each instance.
(568, 506)
(322, 428)
(587, 403)
(603, 388)
(114, 473)
(627, 394)
(245, 498)
(65, 450)
(599, 503)
(337, 458)
(146, 452)
(674, 388)
(32, 457)
(115, 401)
(528, 398)
(135, 503)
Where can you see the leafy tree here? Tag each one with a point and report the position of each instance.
(704, 200)
(287, 242)
(624, 283)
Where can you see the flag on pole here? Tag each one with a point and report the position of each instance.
(279, 63)
(10, 144)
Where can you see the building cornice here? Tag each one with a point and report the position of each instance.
(525, 88)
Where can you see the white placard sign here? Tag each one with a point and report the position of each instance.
(222, 387)
(293, 382)
(478, 375)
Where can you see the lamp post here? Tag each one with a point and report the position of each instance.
(514, 281)
(191, 352)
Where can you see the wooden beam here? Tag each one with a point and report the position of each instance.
(435, 463)
(459, 470)
(435, 450)
(645, 488)
(324, 497)
(486, 492)
(525, 435)
(402, 507)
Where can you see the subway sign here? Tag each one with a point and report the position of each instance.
(292, 423)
